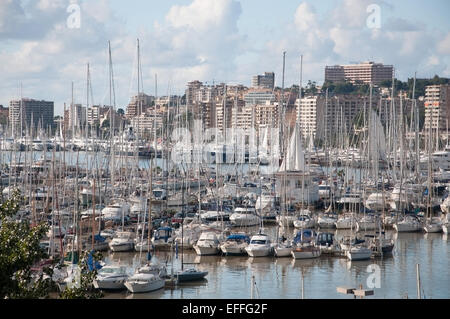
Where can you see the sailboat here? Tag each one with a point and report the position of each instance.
(301, 187)
(409, 223)
(358, 252)
(433, 225)
(283, 246)
(190, 274)
(304, 245)
(304, 220)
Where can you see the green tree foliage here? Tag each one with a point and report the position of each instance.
(345, 87)
(19, 251)
(81, 286)
(420, 85)
(311, 88)
(25, 270)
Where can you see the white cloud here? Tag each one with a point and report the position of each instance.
(443, 46)
(196, 41)
(305, 17)
(341, 35)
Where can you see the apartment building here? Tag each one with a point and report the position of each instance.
(265, 81)
(366, 72)
(437, 107)
(139, 104)
(29, 113)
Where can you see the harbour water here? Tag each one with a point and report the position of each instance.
(285, 278)
(281, 278)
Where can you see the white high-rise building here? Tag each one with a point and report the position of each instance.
(437, 106)
(310, 115)
(367, 72)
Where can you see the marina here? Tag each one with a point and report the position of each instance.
(316, 245)
(203, 187)
(281, 278)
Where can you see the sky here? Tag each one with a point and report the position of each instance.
(43, 49)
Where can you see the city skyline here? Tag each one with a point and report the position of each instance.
(228, 41)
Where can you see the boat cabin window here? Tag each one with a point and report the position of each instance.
(258, 241)
(157, 193)
(109, 270)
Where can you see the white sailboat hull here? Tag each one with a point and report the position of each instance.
(358, 253)
(233, 250)
(406, 227)
(326, 222)
(345, 224)
(309, 253)
(282, 251)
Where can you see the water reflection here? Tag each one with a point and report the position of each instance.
(158, 294)
(230, 276)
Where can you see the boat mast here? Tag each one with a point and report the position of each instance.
(112, 105)
(283, 139)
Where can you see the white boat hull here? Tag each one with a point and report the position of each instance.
(233, 250)
(306, 253)
(206, 251)
(404, 227)
(326, 223)
(345, 224)
(258, 252)
(282, 251)
(247, 221)
(304, 225)
(362, 226)
(358, 254)
(144, 286)
(121, 247)
(110, 283)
